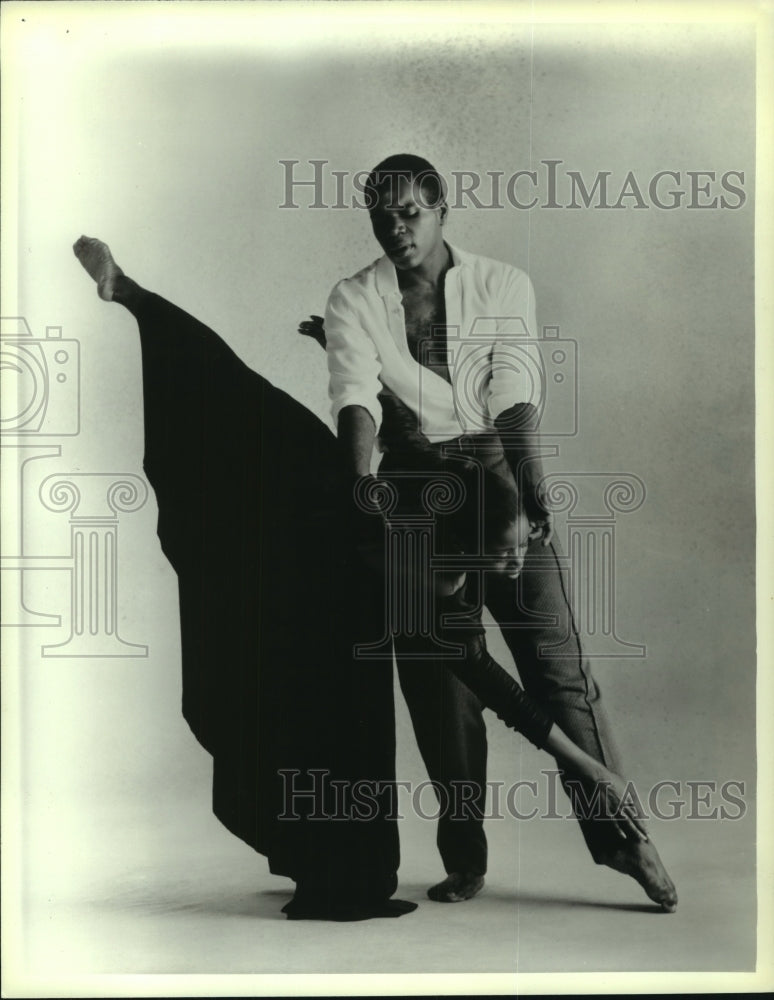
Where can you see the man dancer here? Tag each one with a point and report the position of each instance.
(386, 330)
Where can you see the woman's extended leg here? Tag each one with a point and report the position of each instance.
(245, 479)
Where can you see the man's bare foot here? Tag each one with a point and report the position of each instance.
(640, 860)
(98, 262)
(456, 887)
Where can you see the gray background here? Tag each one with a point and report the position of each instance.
(170, 152)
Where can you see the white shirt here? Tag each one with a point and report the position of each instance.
(493, 353)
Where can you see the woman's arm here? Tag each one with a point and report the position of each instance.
(507, 699)
(621, 812)
(495, 687)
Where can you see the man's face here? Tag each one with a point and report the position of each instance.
(505, 550)
(407, 230)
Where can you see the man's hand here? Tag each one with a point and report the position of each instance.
(364, 496)
(541, 520)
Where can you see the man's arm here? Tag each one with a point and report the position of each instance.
(354, 368)
(399, 424)
(357, 434)
(515, 416)
(518, 430)
(354, 385)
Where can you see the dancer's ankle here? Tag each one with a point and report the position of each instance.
(127, 292)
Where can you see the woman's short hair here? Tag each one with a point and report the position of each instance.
(491, 505)
(487, 504)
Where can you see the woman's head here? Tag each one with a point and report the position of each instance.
(490, 524)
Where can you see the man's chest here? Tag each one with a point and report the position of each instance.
(424, 316)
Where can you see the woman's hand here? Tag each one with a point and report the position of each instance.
(603, 789)
(313, 327)
(620, 803)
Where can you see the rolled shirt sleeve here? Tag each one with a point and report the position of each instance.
(353, 360)
(518, 375)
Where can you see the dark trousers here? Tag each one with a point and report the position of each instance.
(536, 620)
(537, 623)
(451, 736)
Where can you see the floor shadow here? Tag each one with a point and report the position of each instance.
(265, 904)
(511, 898)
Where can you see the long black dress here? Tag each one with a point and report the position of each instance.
(272, 601)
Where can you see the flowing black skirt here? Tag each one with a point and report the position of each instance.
(273, 599)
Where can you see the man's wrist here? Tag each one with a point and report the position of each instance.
(535, 498)
(355, 479)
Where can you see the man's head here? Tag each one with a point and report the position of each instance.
(406, 198)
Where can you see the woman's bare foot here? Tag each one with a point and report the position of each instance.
(640, 860)
(456, 887)
(98, 262)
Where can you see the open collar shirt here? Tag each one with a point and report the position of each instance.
(491, 346)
